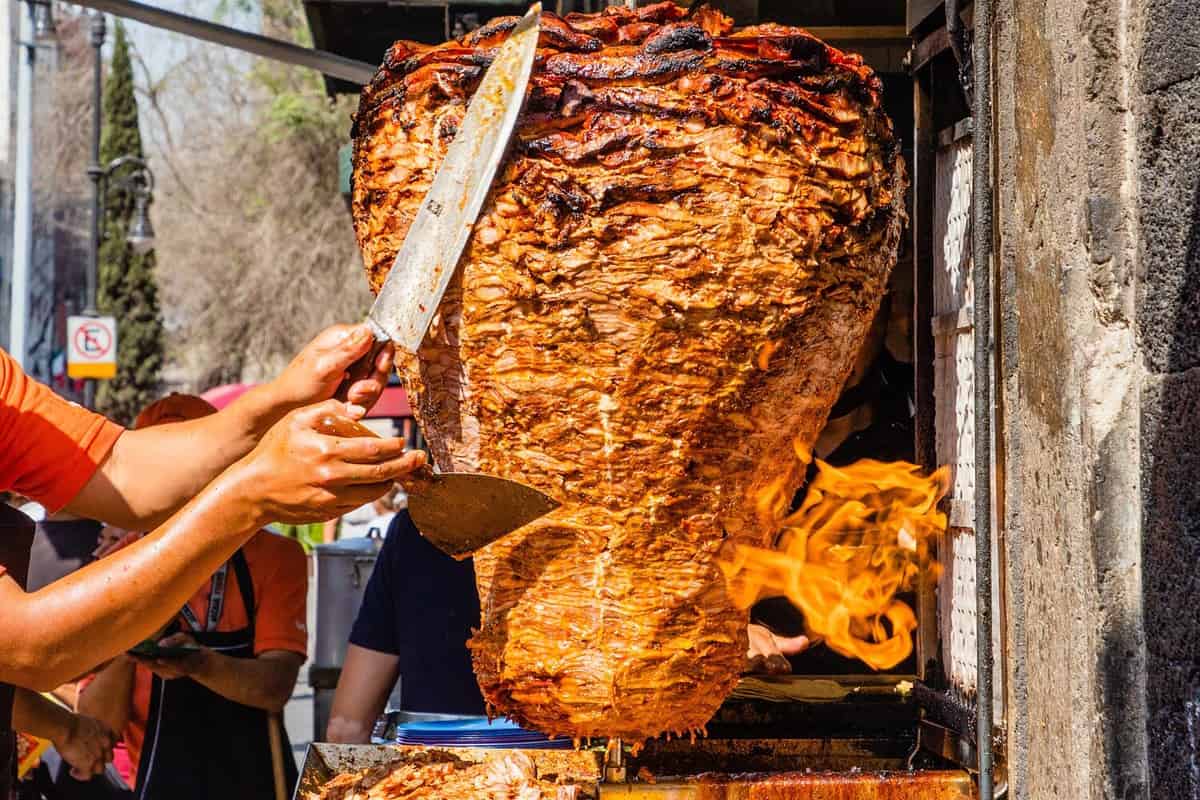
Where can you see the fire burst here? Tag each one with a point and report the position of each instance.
(862, 535)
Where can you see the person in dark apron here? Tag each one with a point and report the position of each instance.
(198, 722)
(202, 489)
(201, 745)
(265, 458)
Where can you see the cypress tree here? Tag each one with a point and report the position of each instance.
(126, 286)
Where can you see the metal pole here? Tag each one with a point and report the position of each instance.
(22, 262)
(348, 69)
(981, 268)
(96, 173)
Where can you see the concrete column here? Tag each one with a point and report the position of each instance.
(1072, 387)
(22, 253)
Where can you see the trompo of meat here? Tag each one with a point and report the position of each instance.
(662, 297)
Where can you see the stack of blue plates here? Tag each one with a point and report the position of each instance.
(474, 732)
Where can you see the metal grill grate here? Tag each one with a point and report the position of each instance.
(955, 426)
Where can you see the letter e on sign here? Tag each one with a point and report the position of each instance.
(91, 347)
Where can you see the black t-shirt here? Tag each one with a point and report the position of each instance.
(60, 548)
(420, 604)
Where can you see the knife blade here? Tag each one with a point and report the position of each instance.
(439, 233)
(461, 512)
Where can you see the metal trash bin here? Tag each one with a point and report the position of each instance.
(340, 573)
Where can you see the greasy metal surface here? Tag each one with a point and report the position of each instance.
(460, 512)
(681, 757)
(820, 688)
(924, 418)
(442, 226)
(947, 744)
(885, 716)
(934, 785)
(323, 761)
(946, 708)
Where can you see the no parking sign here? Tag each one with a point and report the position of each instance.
(91, 347)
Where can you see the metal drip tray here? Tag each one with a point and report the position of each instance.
(939, 785)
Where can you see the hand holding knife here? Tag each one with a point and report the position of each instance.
(458, 512)
(429, 255)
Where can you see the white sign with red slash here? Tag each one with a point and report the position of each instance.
(91, 347)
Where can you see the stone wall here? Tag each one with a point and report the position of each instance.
(1071, 381)
(1168, 312)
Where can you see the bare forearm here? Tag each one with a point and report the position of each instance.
(109, 696)
(85, 744)
(36, 715)
(264, 683)
(110, 605)
(183, 457)
(366, 681)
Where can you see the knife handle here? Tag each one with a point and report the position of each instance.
(343, 427)
(359, 369)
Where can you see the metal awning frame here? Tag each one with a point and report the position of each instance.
(331, 64)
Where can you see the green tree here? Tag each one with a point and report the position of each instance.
(127, 287)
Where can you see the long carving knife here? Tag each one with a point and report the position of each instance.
(442, 226)
(461, 512)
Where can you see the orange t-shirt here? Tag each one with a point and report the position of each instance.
(280, 577)
(50, 446)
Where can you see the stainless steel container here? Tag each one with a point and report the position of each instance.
(340, 573)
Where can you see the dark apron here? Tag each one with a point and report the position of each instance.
(16, 536)
(201, 745)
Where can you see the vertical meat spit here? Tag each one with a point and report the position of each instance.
(614, 762)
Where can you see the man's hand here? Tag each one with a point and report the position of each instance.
(336, 354)
(298, 474)
(768, 653)
(119, 492)
(86, 747)
(189, 666)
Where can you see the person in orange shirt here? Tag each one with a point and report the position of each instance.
(205, 715)
(202, 488)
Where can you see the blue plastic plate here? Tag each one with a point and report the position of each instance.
(474, 732)
(454, 726)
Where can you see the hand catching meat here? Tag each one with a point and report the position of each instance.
(768, 652)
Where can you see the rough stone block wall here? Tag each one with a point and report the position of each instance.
(1168, 152)
(1071, 371)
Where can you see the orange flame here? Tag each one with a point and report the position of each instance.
(861, 536)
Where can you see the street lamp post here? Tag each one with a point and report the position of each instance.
(139, 179)
(95, 172)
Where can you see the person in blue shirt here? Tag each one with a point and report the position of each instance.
(416, 616)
